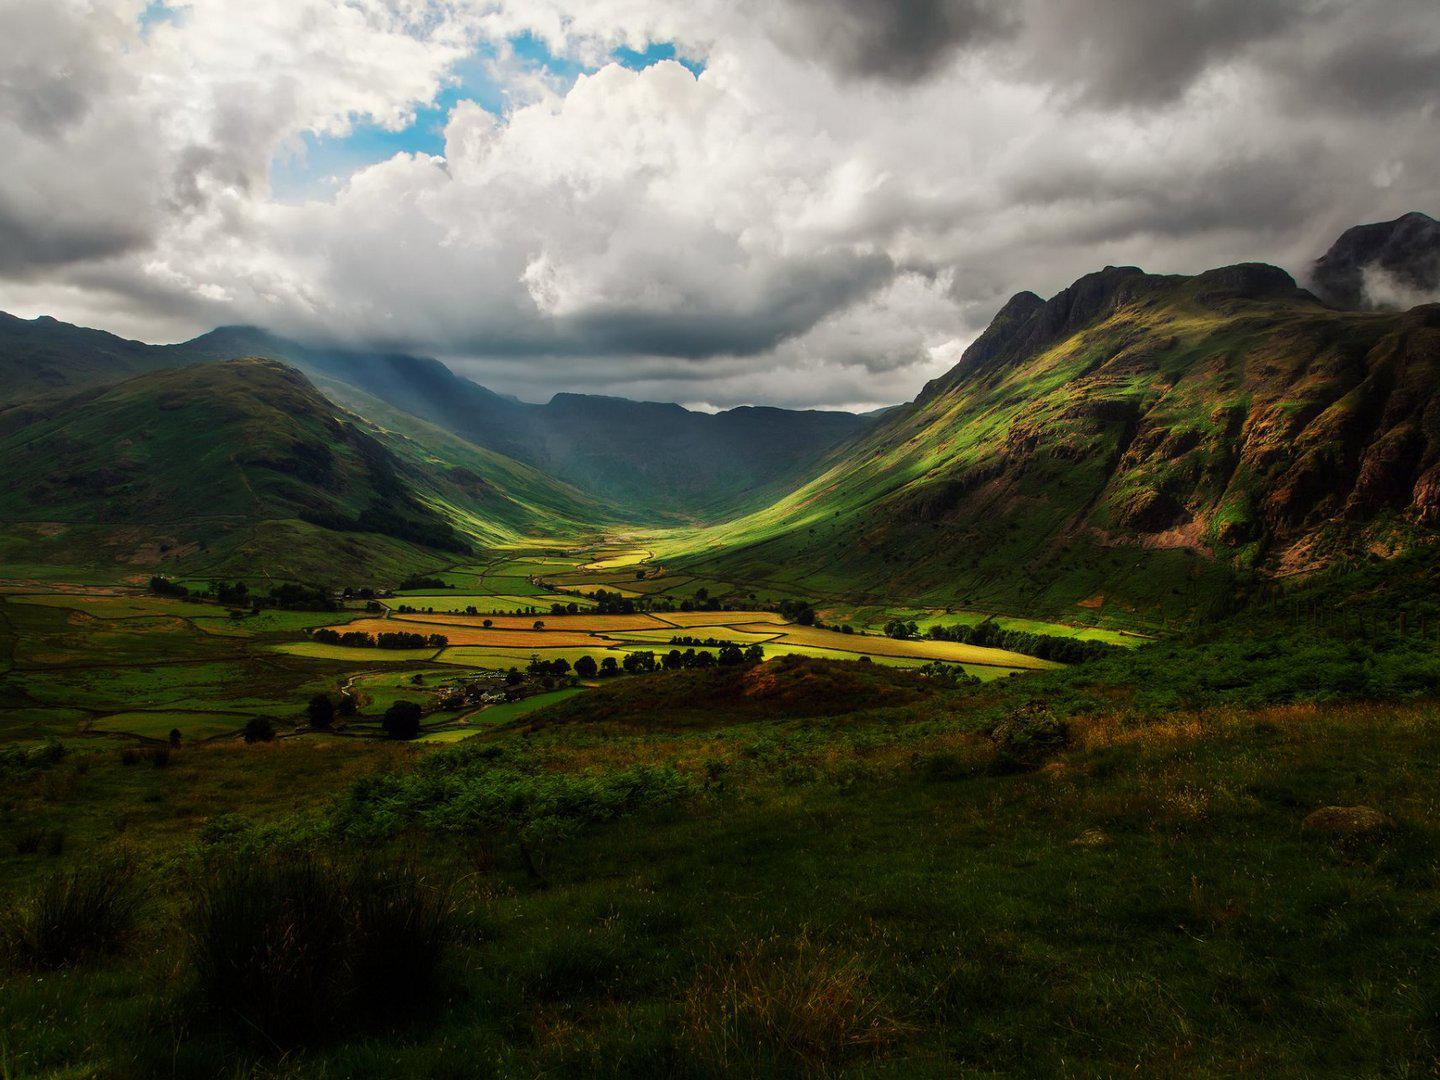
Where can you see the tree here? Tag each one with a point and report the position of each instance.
(258, 729)
(320, 712)
(175, 737)
(513, 677)
(402, 720)
(488, 623)
(539, 624)
(347, 705)
(608, 667)
(559, 666)
(586, 667)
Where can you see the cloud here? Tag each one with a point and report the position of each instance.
(904, 41)
(826, 214)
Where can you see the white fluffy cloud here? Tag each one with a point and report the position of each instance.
(825, 215)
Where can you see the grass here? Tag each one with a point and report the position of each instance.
(832, 905)
(291, 949)
(73, 916)
(158, 725)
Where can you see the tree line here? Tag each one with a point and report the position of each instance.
(390, 639)
(991, 635)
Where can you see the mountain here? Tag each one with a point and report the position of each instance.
(1130, 442)
(244, 467)
(1387, 265)
(646, 460)
(44, 355)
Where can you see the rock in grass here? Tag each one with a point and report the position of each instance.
(1345, 821)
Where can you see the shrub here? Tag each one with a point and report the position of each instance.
(34, 841)
(73, 916)
(784, 1008)
(258, 729)
(1027, 736)
(295, 949)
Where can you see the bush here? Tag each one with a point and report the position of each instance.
(258, 729)
(295, 949)
(74, 916)
(1026, 737)
(34, 841)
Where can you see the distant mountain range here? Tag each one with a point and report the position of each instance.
(645, 460)
(1136, 439)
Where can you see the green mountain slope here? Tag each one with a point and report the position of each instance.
(244, 467)
(1125, 444)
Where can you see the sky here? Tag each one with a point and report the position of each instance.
(808, 203)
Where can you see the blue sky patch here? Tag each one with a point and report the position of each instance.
(322, 164)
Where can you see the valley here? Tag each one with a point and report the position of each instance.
(1081, 705)
(103, 662)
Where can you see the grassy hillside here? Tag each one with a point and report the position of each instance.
(244, 467)
(1128, 445)
(800, 869)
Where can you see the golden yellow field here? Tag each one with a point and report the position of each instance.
(720, 618)
(479, 635)
(580, 622)
(616, 561)
(918, 649)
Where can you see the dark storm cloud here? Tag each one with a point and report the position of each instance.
(1384, 71)
(798, 300)
(1125, 53)
(903, 42)
(29, 247)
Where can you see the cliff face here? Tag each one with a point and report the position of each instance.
(1390, 265)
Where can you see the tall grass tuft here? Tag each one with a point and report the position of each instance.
(295, 949)
(73, 916)
(784, 1009)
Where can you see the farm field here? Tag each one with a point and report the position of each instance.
(569, 623)
(104, 662)
(478, 722)
(485, 603)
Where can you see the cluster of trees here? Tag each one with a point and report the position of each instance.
(162, 586)
(391, 639)
(402, 720)
(419, 581)
(608, 603)
(951, 675)
(991, 635)
(291, 596)
(800, 612)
